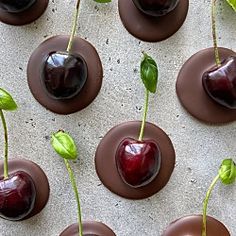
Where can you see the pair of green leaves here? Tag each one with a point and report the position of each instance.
(232, 3)
(64, 145)
(7, 103)
(227, 172)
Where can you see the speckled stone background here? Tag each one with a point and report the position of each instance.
(199, 147)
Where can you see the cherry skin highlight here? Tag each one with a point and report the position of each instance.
(156, 8)
(138, 162)
(17, 196)
(64, 74)
(220, 83)
(16, 6)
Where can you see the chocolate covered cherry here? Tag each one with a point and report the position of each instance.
(17, 196)
(16, 6)
(220, 83)
(156, 7)
(64, 74)
(138, 162)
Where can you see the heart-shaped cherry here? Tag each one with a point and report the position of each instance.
(16, 6)
(220, 83)
(156, 8)
(138, 162)
(64, 74)
(17, 196)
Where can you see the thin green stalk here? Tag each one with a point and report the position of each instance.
(214, 34)
(73, 183)
(6, 145)
(204, 224)
(144, 116)
(75, 23)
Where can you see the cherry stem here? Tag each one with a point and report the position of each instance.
(73, 183)
(214, 34)
(144, 116)
(205, 203)
(76, 14)
(6, 145)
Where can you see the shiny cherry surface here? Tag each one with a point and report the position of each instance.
(220, 83)
(156, 8)
(17, 196)
(15, 6)
(138, 162)
(64, 74)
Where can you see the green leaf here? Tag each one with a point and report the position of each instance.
(64, 145)
(102, 1)
(232, 3)
(149, 73)
(6, 101)
(227, 171)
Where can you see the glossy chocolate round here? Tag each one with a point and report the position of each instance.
(192, 225)
(91, 87)
(90, 228)
(106, 164)
(39, 178)
(192, 94)
(152, 29)
(25, 17)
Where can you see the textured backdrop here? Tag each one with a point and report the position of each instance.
(199, 147)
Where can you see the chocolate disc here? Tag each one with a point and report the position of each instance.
(39, 178)
(192, 225)
(152, 29)
(90, 228)
(106, 164)
(191, 93)
(89, 90)
(25, 17)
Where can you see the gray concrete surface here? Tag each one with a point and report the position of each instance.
(199, 147)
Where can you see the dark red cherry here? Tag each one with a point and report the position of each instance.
(16, 6)
(220, 83)
(156, 7)
(64, 74)
(138, 162)
(17, 196)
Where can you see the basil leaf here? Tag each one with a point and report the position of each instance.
(6, 101)
(149, 73)
(102, 1)
(227, 171)
(64, 145)
(232, 3)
